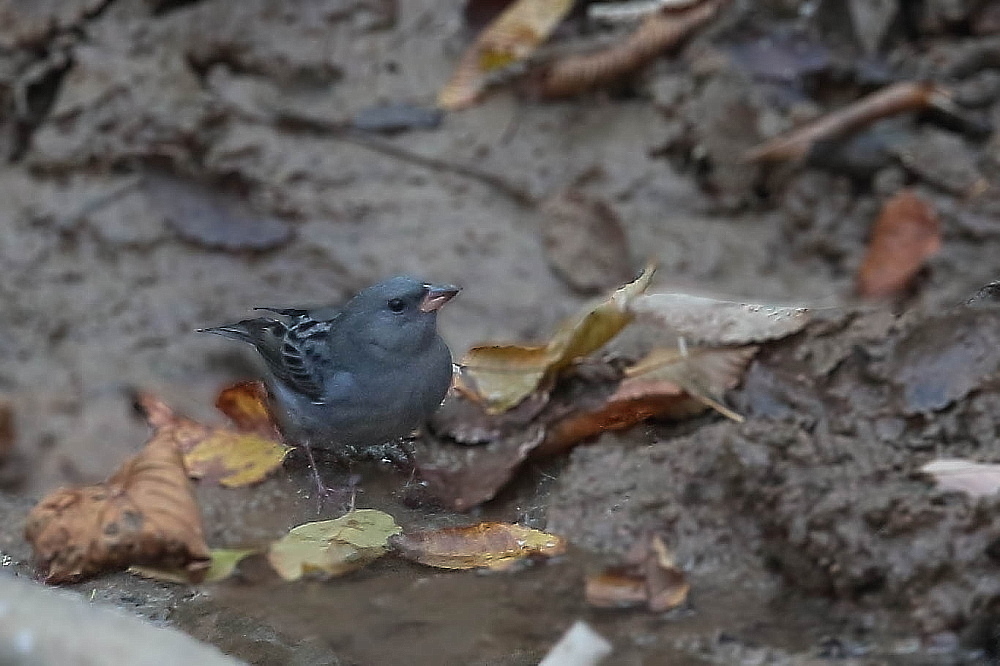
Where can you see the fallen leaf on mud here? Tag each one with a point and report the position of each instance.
(506, 375)
(704, 373)
(228, 456)
(462, 477)
(223, 563)
(975, 479)
(906, 233)
(889, 101)
(659, 32)
(585, 241)
(333, 547)
(211, 218)
(510, 38)
(492, 545)
(649, 578)
(145, 514)
(713, 322)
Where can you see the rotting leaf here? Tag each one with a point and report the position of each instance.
(508, 39)
(585, 241)
(972, 478)
(906, 233)
(506, 375)
(490, 545)
(211, 218)
(649, 578)
(462, 477)
(228, 456)
(889, 101)
(223, 563)
(659, 32)
(145, 514)
(715, 322)
(333, 547)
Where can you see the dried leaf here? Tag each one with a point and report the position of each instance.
(231, 457)
(889, 101)
(510, 38)
(585, 241)
(975, 479)
(483, 545)
(658, 33)
(505, 375)
(651, 578)
(703, 373)
(333, 547)
(213, 219)
(245, 404)
(462, 477)
(616, 587)
(906, 233)
(145, 514)
(666, 584)
(713, 322)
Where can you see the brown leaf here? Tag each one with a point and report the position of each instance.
(889, 101)
(906, 233)
(510, 38)
(228, 456)
(490, 545)
(650, 578)
(145, 514)
(616, 587)
(245, 404)
(658, 33)
(585, 241)
(462, 477)
(506, 375)
(972, 478)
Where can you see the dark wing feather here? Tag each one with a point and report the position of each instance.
(293, 353)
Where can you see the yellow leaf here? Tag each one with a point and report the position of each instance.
(506, 375)
(235, 459)
(333, 547)
(492, 545)
(510, 38)
(223, 563)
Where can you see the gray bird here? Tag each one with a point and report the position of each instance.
(353, 378)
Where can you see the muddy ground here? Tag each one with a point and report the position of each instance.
(806, 532)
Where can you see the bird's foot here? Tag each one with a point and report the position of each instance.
(346, 494)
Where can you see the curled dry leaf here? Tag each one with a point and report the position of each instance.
(972, 478)
(714, 322)
(889, 101)
(649, 578)
(145, 514)
(492, 545)
(659, 32)
(585, 241)
(231, 457)
(510, 38)
(333, 547)
(506, 375)
(906, 233)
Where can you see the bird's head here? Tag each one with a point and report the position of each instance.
(398, 315)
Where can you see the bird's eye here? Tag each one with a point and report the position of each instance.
(397, 305)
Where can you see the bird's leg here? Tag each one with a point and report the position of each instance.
(324, 491)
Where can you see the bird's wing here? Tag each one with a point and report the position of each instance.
(293, 353)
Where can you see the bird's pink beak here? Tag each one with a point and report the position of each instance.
(437, 296)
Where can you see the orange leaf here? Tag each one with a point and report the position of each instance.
(484, 545)
(245, 404)
(145, 514)
(906, 233)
